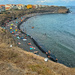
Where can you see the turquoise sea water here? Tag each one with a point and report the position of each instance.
(57, 33)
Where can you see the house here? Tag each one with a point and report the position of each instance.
(29, 6)
(37, 6)
(40, 6)
(33, 6)
(14, 6)
(44, 5)
(11, 6)
(8, 6)
(2, 8)
(20, 6)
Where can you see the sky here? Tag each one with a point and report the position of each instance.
(42, 2)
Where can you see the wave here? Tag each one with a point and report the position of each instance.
(69, 33)
(65, 48)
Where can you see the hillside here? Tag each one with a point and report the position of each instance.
(15, 61)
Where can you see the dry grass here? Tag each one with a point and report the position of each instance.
(15, 61)
(6, 37)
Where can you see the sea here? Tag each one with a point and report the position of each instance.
(56, 32)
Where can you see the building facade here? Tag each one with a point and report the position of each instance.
(2, 8)
(29, 6)
(8, 6)
(20, 6)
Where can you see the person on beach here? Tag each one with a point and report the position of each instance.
(48, 54)
(25, 36)
(19, 35)
(36, 52)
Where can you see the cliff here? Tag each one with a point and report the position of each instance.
(53, 9)
(15, 61)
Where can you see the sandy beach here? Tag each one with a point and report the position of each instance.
(23, 40)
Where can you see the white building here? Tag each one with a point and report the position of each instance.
(20, 6)
(8, 6)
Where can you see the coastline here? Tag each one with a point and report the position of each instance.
(24, 44)
(40, 46)
(29, 39)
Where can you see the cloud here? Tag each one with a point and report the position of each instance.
(37, 1)
(47, 1)
(68, 0)
(53, 1)
(59, 2)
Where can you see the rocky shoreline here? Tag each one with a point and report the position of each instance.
(52, 9)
